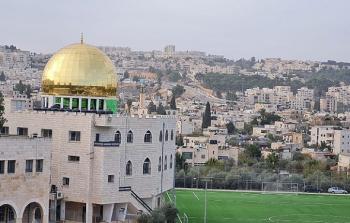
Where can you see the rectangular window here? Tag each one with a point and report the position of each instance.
(84, 104)
(66, 102)
(29, 166)
(11, 166)
(93, 104)
(110, 178)
(46, 133)
(4, 130)
(65, 181)
(58, 101)
(2, 166)
(73, 158)
(39, 165)
(100, 104)
(22, 131)
(75, 103)
(187, 155)
(74, 136)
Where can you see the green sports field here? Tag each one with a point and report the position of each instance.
(237, 207)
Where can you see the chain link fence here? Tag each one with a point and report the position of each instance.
(262, 180)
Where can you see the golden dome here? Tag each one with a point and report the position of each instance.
(80, 69)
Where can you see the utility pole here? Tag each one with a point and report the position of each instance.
(205, 202)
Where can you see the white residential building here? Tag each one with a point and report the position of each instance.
(321, 134)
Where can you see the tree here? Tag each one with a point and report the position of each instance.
(2, 111)
(151, 107)
(174, 76)
(231, 96)
(253, 151)
(135, 78)
(219, 94)
(144, 218)
(180, 161)
(28, 91)
(129, 103)
(206, 116)
(161, 109)
(179, 140)
(212, 162)
(173, 103)
(298, 156)
(170, 212)
(20, 87)
(158, 216)
(248, 128)
(178, 90)
(268, 118)
(324, 146)
(2, 76)
(230, 128)
(126, 74)
(272, 160)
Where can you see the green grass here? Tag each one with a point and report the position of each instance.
(237, 207)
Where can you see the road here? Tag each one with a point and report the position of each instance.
(196, 92)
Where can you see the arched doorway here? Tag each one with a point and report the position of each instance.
(33, 213)
(7, 214)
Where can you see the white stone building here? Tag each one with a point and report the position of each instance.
(323, 134)
(99, 166)
(328, 104)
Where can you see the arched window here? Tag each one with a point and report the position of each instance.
(148, 137)
(166, 163)
(172, 135)
(130, 137)
(171, 161)
(147, 166)
(117, 137)
(128, 168)
(160, 164)
(160, 136)
(166, 135)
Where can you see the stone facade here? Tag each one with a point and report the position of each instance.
(29, 184)
(88, 170)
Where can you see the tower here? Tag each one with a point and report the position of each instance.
(142, 108)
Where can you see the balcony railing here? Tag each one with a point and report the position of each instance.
(107, 144)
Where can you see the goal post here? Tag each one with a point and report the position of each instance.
(279, 187)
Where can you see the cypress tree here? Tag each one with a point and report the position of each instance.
(161, 109)
(151, 107)
(2, 76)
(2, 111)
(173, 103)
(206, 116)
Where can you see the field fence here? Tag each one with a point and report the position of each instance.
(256, 182)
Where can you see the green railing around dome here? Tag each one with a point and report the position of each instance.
(86, 104)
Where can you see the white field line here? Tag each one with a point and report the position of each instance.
(169, 197)
(178, 216)
(195, 195)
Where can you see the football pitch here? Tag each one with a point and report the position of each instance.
(248, 207)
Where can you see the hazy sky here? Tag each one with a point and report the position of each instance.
(296, 29)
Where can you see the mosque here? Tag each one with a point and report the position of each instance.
(77, 158)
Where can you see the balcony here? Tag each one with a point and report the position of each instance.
(106, 144)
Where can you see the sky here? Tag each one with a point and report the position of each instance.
(289, 29)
